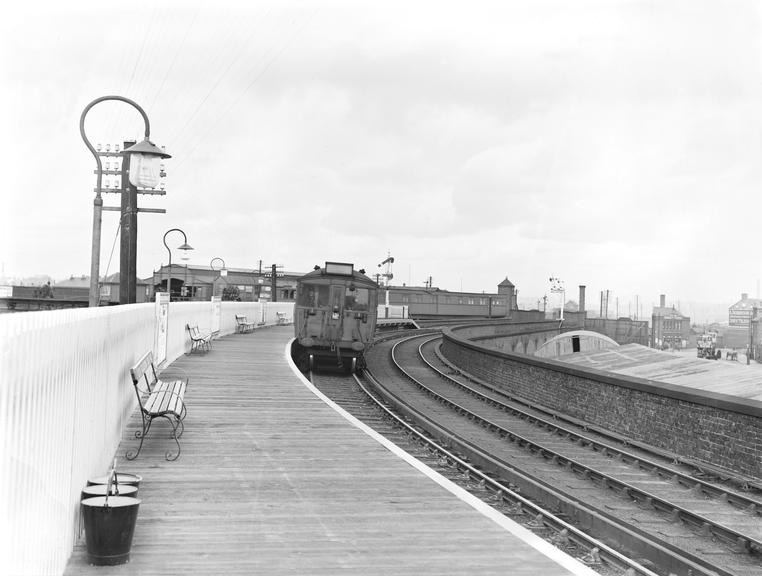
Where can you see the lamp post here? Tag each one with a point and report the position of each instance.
(184, 289)
(184, 246)
(557, 287)
(145, 158)
(223, 270)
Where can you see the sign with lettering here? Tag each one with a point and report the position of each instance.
(162, 321)
(739, 317)
(216, 312)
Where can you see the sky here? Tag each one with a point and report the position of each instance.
(609, 143)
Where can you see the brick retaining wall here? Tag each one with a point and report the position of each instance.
(716, 429)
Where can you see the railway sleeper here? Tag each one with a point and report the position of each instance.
(537, 522)
(592, 558)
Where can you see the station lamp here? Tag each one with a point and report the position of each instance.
(145, 163)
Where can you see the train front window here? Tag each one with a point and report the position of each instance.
(313, 296)
(357, 299)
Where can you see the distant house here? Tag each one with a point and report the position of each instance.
(66, 294)
(669, 328)
(740, 313)
(194, 282)
(432, 301)
(109, 290)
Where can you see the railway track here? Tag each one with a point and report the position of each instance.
(653, 508)
(626, 500)
(356, 395)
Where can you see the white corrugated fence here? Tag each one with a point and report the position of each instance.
(65, 396)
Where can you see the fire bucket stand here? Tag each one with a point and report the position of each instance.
(109, 524)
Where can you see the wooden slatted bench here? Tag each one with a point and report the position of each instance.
(242, 325)
(282, 318)
(158, 399)
(199, 342)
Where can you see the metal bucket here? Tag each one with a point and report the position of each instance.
(109, 527)
(121, 478)
(116, 490)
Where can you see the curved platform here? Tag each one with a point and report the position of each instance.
(274, 478)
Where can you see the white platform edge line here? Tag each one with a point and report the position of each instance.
(559, 556)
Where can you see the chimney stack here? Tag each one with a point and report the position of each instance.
(744, 295)
(582, 299)
(663, 301)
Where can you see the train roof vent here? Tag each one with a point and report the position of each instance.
(339, 268)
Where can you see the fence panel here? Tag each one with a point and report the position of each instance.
(64, 398)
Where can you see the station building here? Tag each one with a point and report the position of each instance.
(425, 301)
(669, 328)
(199, 283)
(740, 313)
(194, 282)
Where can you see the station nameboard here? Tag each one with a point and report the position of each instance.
(339, 268)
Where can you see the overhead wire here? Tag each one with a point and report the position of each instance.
(208, 60)
(144, 82)
(214, 86)
(235, 102)
(174, 58)
(112, 117)
(113, 246)
(127, 91)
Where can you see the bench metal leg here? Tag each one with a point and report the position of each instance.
(181, 426)
(132, 454)
(174, 423)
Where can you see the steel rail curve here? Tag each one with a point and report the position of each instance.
(695, 565)
(504, 493)
(643, 497)
(742, 502)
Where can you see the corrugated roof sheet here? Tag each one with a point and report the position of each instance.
(721, 376)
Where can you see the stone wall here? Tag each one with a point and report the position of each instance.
(715, 429)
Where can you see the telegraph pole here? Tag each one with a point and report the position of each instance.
(273, 281)
(128, 242)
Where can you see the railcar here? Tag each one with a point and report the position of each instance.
(334, 317)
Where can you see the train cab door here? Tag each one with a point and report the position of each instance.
(337, 302)
(335, 313)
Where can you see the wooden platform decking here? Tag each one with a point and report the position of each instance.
(272, 480)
